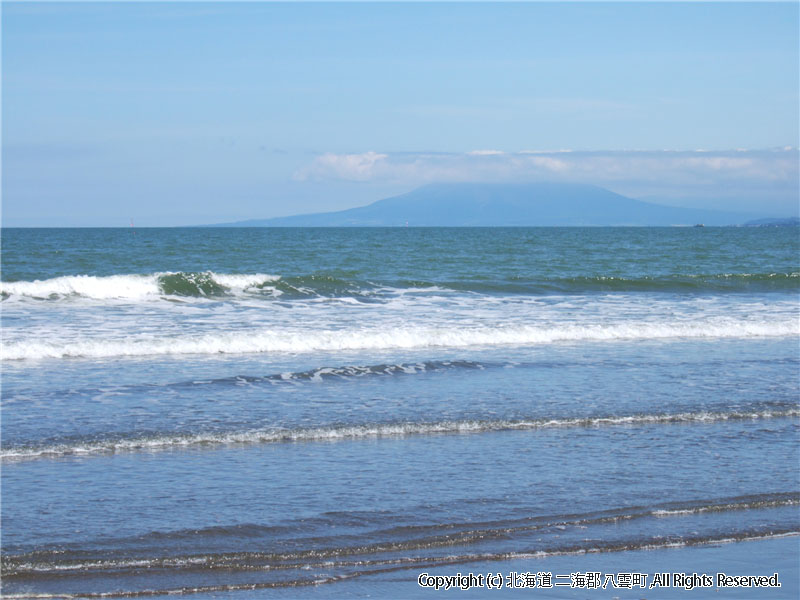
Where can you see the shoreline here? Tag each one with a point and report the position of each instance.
(763, 556)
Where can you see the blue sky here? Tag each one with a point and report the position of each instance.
(179, 113)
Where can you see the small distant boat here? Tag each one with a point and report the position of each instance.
(699, 225)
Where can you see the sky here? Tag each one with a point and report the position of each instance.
(181, 113)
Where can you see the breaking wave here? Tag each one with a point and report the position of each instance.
(134, 287)
(209, 284)
(287, 340)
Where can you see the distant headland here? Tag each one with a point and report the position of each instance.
(787, 222)
(504, 205)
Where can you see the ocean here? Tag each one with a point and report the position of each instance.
(352, 413)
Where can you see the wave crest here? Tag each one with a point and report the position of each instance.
(280, 340)
(328, 285)
(135, 287)
(367, 431)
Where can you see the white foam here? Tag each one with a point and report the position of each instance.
(131, 287)
(243, 282)
(355, 432)
(732, 506)
(101, 288)
(288, 340)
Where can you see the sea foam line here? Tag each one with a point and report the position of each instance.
(355, 432)
(271, 340)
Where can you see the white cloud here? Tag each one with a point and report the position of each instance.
(352, 167)
(549, 163)
(486, 153)
(658, 167)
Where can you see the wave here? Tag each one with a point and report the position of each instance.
(201, 284)
(675, 283)
(270, 340)
(376, 567)
(398, 539)
(136, 287)
(399, 548)
(187, 284)
(156, 443)
(346, 372)
(317, 375)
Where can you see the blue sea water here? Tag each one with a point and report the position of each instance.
(332, 412)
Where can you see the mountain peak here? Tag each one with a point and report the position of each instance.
(505, 204)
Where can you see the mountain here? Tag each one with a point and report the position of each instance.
(495, 204)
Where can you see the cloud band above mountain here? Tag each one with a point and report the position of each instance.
(688, 167)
